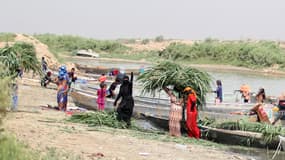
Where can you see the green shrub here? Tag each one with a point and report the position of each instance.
(145, 41)
(159, 39)
(5, 99)
(67, 43)
(240, 53)
(13, 150)
(20, 55)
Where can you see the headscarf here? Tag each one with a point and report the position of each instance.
(189, 90)
(191, 99)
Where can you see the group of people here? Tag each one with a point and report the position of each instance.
(258, 108)
(189, 99)
(126, 105)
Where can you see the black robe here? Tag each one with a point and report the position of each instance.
(125, 108)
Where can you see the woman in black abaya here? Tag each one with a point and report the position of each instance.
(125, 108)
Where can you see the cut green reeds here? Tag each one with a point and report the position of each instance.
(269, 132)
(98, 119)
(171, 74)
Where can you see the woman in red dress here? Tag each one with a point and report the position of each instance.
(192, 113)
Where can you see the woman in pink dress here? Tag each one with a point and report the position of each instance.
(101, 94)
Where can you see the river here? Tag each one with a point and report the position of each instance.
(231, 81)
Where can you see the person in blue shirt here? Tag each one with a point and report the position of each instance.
(219, 92)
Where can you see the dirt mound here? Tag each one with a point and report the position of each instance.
(41, 49)
(152, 45)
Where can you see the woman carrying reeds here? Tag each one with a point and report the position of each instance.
(192, 113)
(175, 114)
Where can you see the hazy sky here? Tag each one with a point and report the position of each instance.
(112, 19)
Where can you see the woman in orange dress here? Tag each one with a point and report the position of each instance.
(175, 114)
(245, 91)
(192, 113)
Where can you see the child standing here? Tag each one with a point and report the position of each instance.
(101, 94)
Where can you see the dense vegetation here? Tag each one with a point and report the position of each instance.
(12, 58)
(4, 96)
(19, 56)
(68, 43)
(7, 37)
(168, 73)
(250, 54)
(240, 53)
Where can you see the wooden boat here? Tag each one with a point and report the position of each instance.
(154, 107)
(237, 137)
(101, 69)
(157, 110)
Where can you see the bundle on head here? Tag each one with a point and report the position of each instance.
(169, 73)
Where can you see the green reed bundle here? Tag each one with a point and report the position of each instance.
(171, 74)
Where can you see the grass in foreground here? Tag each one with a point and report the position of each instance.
(11, 149)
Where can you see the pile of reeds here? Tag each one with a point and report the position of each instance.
(268, 131)
(98, 119)
(171, 74)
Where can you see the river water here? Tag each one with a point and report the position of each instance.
(273, 85)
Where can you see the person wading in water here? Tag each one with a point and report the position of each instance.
(125, 108)
(258, 109)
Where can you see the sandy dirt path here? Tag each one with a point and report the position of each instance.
(42, 128)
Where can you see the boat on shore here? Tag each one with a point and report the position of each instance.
(156, 111)
(157, 108)
(238, 137)
(101, 69)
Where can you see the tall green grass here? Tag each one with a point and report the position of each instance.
(5, 99)
(68, 43)
(11, 149)
(238, 53)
